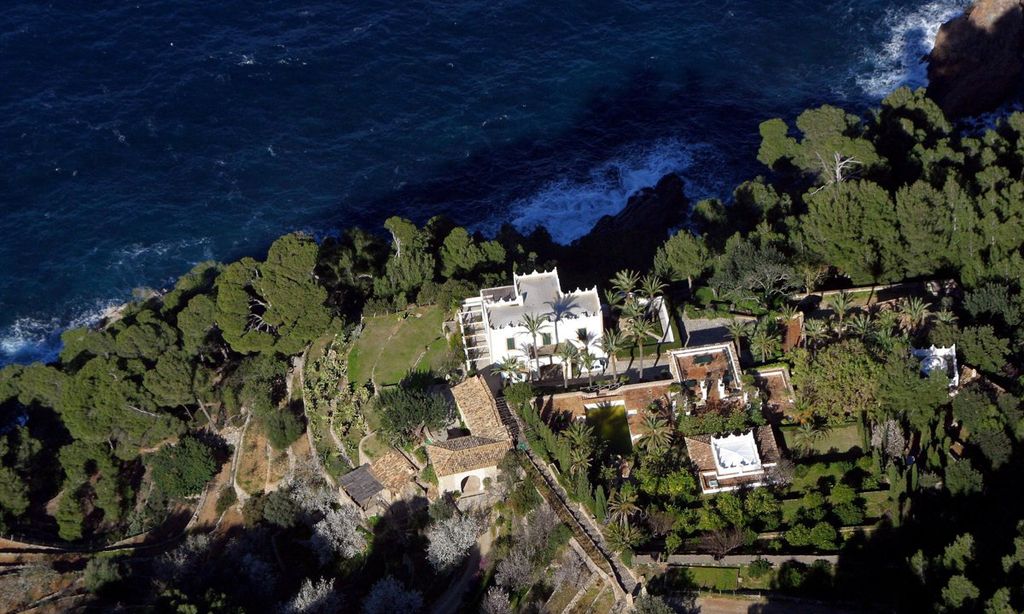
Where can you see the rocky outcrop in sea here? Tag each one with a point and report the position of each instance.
(978, 58)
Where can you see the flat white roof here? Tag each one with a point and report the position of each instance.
(538, 294)
(736, 454)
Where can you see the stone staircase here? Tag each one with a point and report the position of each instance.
(583, 527)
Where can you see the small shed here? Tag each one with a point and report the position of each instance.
(361, 485)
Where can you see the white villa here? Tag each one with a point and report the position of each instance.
(939, 359)
(493, 326)
(733, 461)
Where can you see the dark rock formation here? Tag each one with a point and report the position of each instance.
(977, 59)
(629, 238)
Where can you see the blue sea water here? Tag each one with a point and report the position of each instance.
(139, 138)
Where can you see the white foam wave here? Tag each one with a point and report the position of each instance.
(142, 251)
(30, 339)
(900, 61)
(568, 208)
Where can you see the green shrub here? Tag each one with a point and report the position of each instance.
(279, 509)
(69, 516)
(183, 470)
(519, 394)
(758, 568)
(100, 572)
(283, 427)
(429, 475)
(705, 296)
(226, 499)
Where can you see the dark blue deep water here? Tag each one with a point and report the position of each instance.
(139, 138)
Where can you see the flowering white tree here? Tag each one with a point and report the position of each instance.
(179, 566)
(314, 598)
(515, 571)
(451, 539)
(496, 602)
(338, 535)
(389, 596)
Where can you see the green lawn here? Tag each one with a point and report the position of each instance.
(391, 345)
(610, 424)
(840, 439)
(877, 503)
(760, 583)
(790, 508)
(815, 472)
(709, 578)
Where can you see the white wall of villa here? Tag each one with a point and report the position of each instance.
(462, 482)
(493, 326)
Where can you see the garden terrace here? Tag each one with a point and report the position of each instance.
(634, 398)
(780, 398)
(733, 461)
(390, 345)
(710, 373)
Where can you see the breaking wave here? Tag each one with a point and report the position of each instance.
(900, 61)
(30, 339)
(568, 208)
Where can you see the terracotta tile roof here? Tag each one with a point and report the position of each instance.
(478, 409)
(698, 448)
(361, 485)
(393, 471)
(466, 454)
(766, 445)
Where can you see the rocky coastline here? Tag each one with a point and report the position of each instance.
(978, 58)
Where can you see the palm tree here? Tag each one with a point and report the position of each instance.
(613, 299)
(788, 312)
(764, 342)
(840, 303)
(534, 323)
(579, 460)
(632, 310)
(913, 313)
(811, 432)
(651, 287)
(814, 331)
(641, 329)
(625, 281)
(580, 435)
(946, 317)
(657, 434)
(611, 343)
(586, 361)
(739, 329)
(586, 338)
(622, 505)
(623, 536)
(508, 368)
(862, 326)
(886, 321)
(567, 355)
